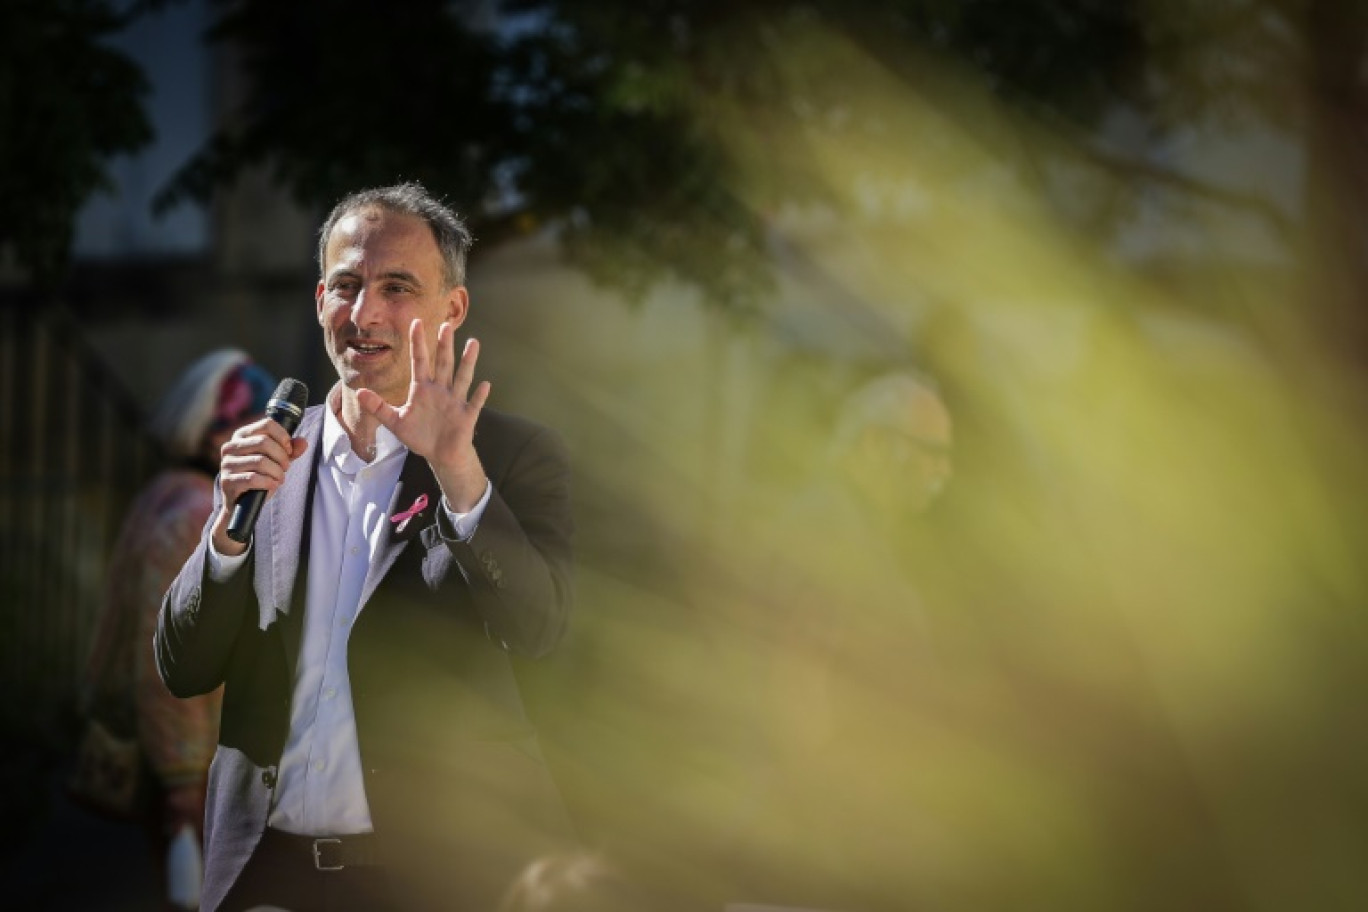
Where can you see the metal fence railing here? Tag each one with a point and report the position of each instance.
(72, 453)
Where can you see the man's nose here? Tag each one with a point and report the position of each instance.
(365, 310)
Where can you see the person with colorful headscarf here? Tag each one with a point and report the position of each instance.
(214, 396)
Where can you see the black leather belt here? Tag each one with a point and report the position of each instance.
(330, 853)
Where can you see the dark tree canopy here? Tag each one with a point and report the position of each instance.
(629, 128)
(351, 92)
(662, 138)
(68, 102)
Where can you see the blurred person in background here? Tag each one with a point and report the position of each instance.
(218, 393)
(887, 463)
(850, 666)
(892, 447)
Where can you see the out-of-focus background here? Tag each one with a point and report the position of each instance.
(1117, 664)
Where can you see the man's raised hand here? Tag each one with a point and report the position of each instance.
(438, 419)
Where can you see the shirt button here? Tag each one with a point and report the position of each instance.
(355, 549)
(317, 765)
(330, 693)
(268, 778)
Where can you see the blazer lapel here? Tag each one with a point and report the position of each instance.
(280, 530)
(415, 481)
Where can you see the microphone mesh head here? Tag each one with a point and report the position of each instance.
(293, 392)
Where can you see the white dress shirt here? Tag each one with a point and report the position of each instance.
(320, 790)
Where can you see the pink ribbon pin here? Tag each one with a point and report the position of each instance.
(402, 518)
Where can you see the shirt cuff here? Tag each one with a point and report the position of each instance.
(466, 523)
(223, 566)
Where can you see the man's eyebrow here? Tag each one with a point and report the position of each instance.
(401, 275)
(343, 271)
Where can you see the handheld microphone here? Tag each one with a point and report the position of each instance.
(286, 408)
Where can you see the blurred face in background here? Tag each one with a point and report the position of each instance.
(909, 452)
(241, 399)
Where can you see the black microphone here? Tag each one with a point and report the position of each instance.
(286, 408)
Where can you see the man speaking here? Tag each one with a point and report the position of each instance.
(374, 751)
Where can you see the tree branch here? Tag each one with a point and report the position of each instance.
(1154, 174)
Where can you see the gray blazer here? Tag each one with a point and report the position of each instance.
(459, 795)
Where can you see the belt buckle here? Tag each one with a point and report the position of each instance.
(318, 854)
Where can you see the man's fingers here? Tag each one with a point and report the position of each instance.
(465, 372)
(481, 396)
(257, 464)
(418, 353)
(445, 363)
(372, 402)
(262, 444)
(236, 484)
(264, 427)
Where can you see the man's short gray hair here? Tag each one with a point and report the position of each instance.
(410, 198)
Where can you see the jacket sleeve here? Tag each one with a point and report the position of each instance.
(518, 563)
(199, 621)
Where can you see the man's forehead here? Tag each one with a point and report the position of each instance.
(361, 224)
(375, 230)
(364, 217)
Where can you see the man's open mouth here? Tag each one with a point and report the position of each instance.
(367, 348)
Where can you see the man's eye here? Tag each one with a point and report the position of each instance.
(397, 289)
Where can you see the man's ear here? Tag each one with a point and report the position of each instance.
(318, 301)
(458, 305)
